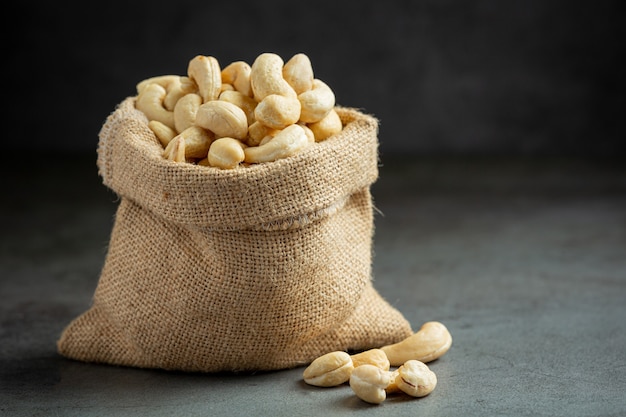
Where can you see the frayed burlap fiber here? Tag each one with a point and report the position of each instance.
(263, 267)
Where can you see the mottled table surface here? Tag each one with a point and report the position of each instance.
(524, 260)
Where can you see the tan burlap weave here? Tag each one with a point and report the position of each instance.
(260, 268)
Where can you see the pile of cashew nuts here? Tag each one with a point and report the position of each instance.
(369, 373)
(241, 114)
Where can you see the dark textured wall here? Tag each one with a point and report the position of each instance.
(443, 76)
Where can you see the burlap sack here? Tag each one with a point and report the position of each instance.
(260, 268)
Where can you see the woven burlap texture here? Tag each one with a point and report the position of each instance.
(259, 268)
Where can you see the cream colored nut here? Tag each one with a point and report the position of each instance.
(288, 142)
(164, 133)
(328, 126)
(223, 118)
(226, 153)
(429, 343)
(162, 80)
(197, 142)
(257, 131)
(374, 357)
(369, 382)
(329, 370)
(266, 77)
(416, 379)
(185, 111)
(150, 103)
(277, 111)
(244, 102)
(177, 89)
(175, 150)
(317, 102)
(298, 72)
(238, 75)
(205, 71)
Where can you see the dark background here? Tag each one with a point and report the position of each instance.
(532, 77)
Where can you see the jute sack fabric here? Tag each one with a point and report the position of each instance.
(261, 268)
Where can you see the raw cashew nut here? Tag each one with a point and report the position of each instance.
(179, 87)
(205, 71)
(374, 357)
(150, 102)
(185, 111)
(369, 382)
(226, 153)
(197, 142)
(164, 133)
(223, 118)
(266, 77)
(431, 342)
(239, 99)
(328, 126)
(277, 111)
(238, 75)
(175, 150)
(416, 379)
(298, 72)
(317, 102)
(329, 370)
(288, 142)
(162, 80)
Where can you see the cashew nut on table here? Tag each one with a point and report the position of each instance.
(369, 373)
(267, 111)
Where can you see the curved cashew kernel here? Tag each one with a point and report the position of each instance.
(163, 132)
(185, 111)
(162, 80)
(317, 102)
(298, 72)
(429, 343)
(177, 89)
(328, 126)
(226, 153)
(266, 77)
(288, 142)
(329, 370)
(416, 379)
(197, 142)
(257, 131)
(277, 111)
(369, 382)
(239, 99)
(175, 150)
(205, 71)
(150, 103)
(238, 74)
(223, 118)
(374, 357)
